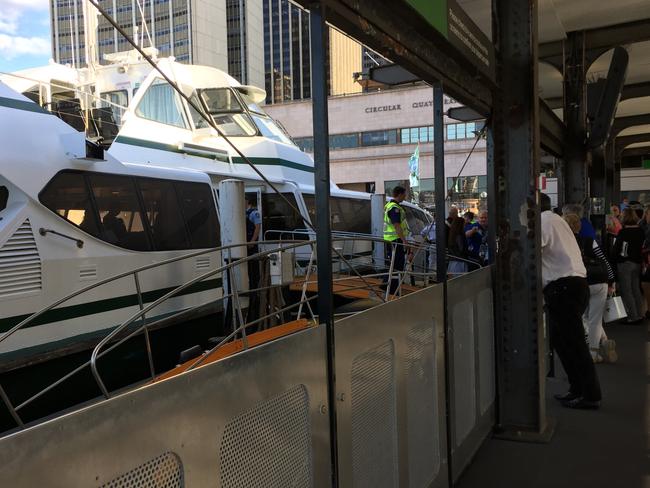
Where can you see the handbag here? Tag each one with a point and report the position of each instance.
(614, 309)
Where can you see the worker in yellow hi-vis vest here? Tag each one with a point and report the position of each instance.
(396, 230)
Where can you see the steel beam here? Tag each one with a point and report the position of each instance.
(602, 38)
(633, 90)
(319, 36)
(520, 338)
(411, 42)
(553, 132)
(622, 123)
(610, 175)
(624, 141)
(636, 151)
(440, 182)
(575, 116)
(636, 90)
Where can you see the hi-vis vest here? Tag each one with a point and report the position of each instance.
(390, 233)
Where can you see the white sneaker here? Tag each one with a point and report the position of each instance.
(608, 350)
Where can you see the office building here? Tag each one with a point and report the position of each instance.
(287, 56)
(225, 34)
(373, 135)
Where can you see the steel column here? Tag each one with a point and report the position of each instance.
(520, 338)
(598, 186)
(319, 34)
(611, 178)
(439, 182)
(575, 117)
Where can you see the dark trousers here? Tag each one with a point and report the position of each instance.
(566, 300)
(398, 265)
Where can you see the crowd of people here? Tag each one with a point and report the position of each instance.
(579, 273)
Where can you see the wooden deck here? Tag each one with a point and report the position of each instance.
(351, 287)
(236, 346)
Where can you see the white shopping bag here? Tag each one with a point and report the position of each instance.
(614, 309)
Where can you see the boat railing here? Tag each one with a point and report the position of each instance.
(228, 268)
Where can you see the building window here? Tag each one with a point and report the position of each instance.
(415, 135)
(344, 141)
(379, 138)
(468, 187)
(462, 131)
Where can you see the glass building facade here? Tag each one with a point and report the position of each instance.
(287, 57)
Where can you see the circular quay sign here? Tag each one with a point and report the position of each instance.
(448, 18)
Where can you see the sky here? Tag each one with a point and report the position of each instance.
(24, 34)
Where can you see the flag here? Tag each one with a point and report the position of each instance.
(414, 168)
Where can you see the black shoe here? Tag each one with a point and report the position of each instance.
(565, 397)
(581, 404)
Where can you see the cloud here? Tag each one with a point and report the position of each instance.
(12, 10)
(13, 46)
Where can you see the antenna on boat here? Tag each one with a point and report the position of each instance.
(144, 25)
(212, 124)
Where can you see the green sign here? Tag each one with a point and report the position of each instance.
(646, 164)
(449, 18)
(434, 11)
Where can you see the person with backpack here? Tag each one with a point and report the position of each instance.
(628, 254)
(600, 277)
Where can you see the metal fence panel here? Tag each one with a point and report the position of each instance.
(471, 364)
(390, 394)
(257, 419)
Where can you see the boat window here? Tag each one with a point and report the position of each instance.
(252, 106)
(277, 215)
(197, 118)
(416, 219)
(119, 211)
(161, 104)
(67, 195)
(227, 112)
(175, 216)
(348, 214)
(163, 214)
(117, 100)
(4, 197)
(197, 205)
(269, 129)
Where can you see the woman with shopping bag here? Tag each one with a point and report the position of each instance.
(627, 251)
(600, 277)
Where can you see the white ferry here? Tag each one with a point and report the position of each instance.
(161, 165)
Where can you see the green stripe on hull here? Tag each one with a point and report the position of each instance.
(274, 162)
(214, 154)
(22, 105)
(106, 305)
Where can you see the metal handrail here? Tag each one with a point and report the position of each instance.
(113, 278)
(114, 332)
(97, 351)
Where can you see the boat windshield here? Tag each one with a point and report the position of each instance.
(227, 111)
(267, 126)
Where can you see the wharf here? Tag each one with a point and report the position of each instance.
(603, 448)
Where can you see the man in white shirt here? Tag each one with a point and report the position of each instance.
(566, 295)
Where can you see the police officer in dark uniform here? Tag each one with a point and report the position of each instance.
(253, 227)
